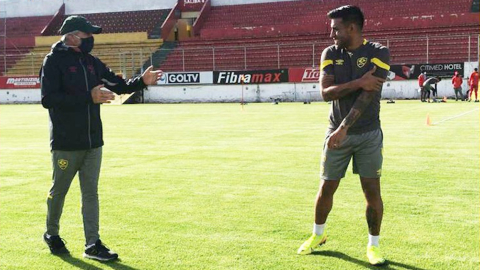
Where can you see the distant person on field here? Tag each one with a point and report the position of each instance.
(430, 84)
(434, 89)
(352, 73)
(421, 79)
(71, 82)
(457, 86)
(473, 83)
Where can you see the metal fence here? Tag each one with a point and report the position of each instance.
(405, 50)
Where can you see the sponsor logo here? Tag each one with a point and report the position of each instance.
(163, 77)
(249, 77)
(91, 69)
(441, 67)
(186, 2)
(173, 78)
(339, 62)
(23, 81)
(361, 62)
(72, 69)
(63, 164)
(311, 75)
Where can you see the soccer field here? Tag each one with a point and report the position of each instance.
(209, 186)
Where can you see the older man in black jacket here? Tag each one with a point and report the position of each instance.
(72, 81)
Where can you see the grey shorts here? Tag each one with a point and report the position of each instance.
(366, 150)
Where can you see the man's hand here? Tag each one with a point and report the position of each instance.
(337, 137)
(101, 96)
(150, 76)
(370, 82)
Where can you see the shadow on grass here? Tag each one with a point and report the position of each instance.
(84, 263)
(365, 264)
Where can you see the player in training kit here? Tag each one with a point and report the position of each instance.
(352, 74)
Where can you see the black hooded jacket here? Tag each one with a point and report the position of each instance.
(67, 77)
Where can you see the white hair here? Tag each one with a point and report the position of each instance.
(63, 39)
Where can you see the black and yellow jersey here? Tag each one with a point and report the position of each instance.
(347, 66)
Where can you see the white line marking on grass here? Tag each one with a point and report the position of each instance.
(455, 116)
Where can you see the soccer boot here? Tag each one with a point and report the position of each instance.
(374, 255)
(313, 242)
(99, 252)
(55, 244)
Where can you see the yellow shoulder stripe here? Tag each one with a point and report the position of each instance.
(380, 64)
(325, 63)
(365, 41)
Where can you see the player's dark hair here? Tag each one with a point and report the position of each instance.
(476, 69)
(348, 14)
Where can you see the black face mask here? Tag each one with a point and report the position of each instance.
(87, 45)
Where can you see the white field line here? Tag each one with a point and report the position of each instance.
(455, 116)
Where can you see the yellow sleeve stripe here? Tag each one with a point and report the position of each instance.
(325, 63)
(380, 64)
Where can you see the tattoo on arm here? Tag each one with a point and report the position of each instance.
(331, 91)
(358, 108)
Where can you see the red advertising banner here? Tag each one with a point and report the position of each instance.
(19, 82)
(303, 75)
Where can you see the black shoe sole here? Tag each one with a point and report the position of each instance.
(93, 257)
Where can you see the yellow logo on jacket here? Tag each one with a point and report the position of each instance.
(361, 61)
(63, 164)
(339, 62)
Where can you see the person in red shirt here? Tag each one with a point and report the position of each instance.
(457, 86)
(473, 83)
(421, 79)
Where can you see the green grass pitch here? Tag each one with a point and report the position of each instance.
(209, 186)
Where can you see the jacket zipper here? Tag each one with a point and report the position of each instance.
(88, 106)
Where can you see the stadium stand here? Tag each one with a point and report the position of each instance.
(18, 36)
(121, 57)
(122, 22)
(254, 36)
(127, 41)
(293, 33)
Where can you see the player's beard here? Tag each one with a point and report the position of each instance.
(342, 43)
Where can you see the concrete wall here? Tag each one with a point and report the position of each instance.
(96, 6)
(298, 92)
(242, 2)
(25, 8)
(10, 96)
(232, 93)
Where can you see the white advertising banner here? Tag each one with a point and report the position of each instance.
(178, 78)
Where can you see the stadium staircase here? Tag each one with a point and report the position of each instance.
(160, 55)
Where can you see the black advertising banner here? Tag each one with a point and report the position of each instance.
(411, 72)
(250, 76)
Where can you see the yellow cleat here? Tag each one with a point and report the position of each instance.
(375, 256)
(313, 242)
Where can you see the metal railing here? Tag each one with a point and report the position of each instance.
(404, 50)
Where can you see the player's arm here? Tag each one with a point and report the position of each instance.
(330, 91)
(381, 68)
(119, 86)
